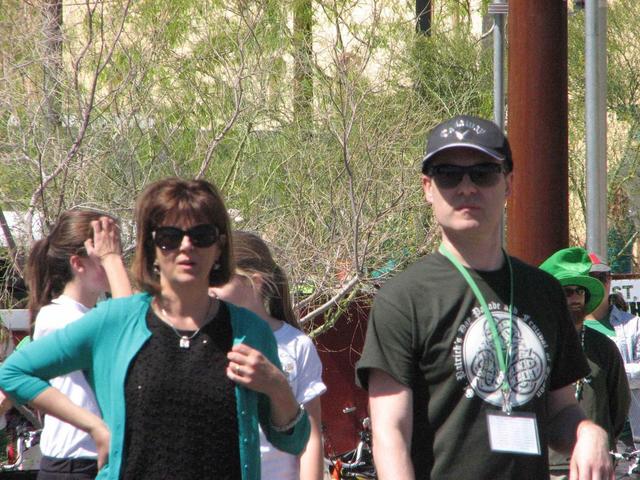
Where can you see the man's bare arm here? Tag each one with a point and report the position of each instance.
(570, 432)
(391, 408)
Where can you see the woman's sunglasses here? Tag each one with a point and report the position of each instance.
(449, 176)
(170, 238)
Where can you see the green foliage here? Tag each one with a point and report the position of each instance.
(330, 176)
(207, 87)
(623, 98)
(453, 73)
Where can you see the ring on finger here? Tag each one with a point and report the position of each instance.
(237, 370)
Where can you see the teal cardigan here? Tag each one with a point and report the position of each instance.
(103, 344)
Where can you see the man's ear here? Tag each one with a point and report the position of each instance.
(427, 186)
(509, 180)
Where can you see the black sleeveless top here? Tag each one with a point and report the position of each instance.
(181, 420)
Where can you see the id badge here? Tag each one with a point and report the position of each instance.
(515, 433)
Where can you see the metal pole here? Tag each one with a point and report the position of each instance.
(538, 221)
(596, 124)
(499, 10)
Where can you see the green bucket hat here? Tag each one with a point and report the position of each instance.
(571, 267)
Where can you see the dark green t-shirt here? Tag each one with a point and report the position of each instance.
(427, 331)
(605, 395)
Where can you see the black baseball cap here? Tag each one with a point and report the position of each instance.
(465, 131)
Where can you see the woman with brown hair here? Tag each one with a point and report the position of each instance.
(67, 271)
(260, 285)
(182, 379)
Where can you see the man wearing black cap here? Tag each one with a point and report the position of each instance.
(470, 354)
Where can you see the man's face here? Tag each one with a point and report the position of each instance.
(468, 206)
(576, 299)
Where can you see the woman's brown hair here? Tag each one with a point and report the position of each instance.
(48, 267)
(171, 199)
(254, 257)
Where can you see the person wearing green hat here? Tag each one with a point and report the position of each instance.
(623, 328)
(603, 394)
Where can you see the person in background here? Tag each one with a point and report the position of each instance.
(260, 285)
(67, 272)
(182, 379)
(624, 329)
(617, 300)
(604, 393)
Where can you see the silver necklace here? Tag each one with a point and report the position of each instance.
(185, 340)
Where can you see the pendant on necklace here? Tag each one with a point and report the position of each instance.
(185, 342)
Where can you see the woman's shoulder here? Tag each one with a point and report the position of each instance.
(137, 299)
(121, 307)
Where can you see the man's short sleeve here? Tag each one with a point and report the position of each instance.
(389, 342)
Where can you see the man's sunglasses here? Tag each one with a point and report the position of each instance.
(450, 176)
(170, 238)
(571, 291)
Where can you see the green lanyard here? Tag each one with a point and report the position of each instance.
(503, 352)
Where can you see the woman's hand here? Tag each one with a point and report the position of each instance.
(105, 248)
(55, 403)
(102, 437)
(106, 239)
(250, 368)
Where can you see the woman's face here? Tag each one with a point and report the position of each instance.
(94, 278)
(181, 261)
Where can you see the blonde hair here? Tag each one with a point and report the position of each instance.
(254, 257)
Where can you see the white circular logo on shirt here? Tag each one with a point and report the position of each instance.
(477, 363)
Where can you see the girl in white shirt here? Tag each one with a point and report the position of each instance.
(261, 286)
(67, 271)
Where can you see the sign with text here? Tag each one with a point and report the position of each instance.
(629, 287)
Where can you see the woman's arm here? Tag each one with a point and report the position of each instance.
(53, 402)
(277, 407)
(106, 247)
(312, 459)
(24, 375)
(5, 403)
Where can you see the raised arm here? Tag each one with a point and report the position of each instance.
(106, 247)
(391, 408)
(570, 432)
